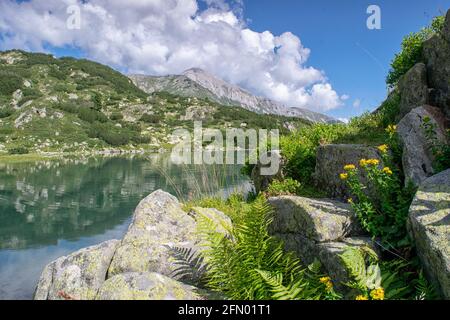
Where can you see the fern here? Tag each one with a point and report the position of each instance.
(190, 266)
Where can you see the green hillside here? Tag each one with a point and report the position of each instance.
(70, 105)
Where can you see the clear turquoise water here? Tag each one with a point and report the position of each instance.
(52, 208)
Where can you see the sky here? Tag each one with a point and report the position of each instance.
(318, 54)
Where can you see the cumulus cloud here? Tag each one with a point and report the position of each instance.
(169, 36)
(357, 103)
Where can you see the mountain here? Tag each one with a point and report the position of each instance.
(198, 83)
(70, 105)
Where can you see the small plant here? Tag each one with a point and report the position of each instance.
(287, 186)
(18, 150)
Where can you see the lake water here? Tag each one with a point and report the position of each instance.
(51, 208)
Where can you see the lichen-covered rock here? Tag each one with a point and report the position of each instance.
(429, 225)
(159, 224)
(328, 255)
(77, 276)
(436, 52)
(260, 181)
(316, 219)
(417, 155)
(219, 219)
(413, 87)
(330, 161)
(146, 286)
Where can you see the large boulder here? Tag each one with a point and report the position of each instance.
(316, 219)
(330, 161)
(146, 286)
(159, 225)
(436, 52)
(78, 276)
(317, 229)
(413, 87)
(417, 145)
(429, 225)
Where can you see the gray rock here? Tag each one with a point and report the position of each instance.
(436, 52)
(413, 87)
(328, 255)
(330, 162)
(316, 219)
(159, 224)
(417, 153)
(262, 182)
(429, 225)
(146, 286)
(77, 276)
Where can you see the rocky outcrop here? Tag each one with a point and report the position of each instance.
(158, 225)
(436, 52)
(429, 225)
(317, 229)
(261, 182)
(141, 266)
(417, 145)
(146, 286)
(331, 160)
(78, 276)
(414, 89)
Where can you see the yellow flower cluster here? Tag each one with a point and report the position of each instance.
(327, 282)
(365, 162)
(349, 167)
(383, 148)
(391, 129)
(343, 176)
(377, 294)
(387, 170)
(350, 200)
(361, 297)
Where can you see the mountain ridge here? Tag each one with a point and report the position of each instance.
(199, 83)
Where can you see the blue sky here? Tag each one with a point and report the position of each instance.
(228, 38)
(355, 59)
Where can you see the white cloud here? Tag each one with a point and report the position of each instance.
(170, 36)
(357, 103)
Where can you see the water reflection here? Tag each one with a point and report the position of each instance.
(50, 208)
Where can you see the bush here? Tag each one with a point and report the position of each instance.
(287, 186)
(9, 83)
(18, 150)
(150, 118)
(116, 116)
(411, 51)
(6, 112)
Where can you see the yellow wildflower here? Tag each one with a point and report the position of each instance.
(373, 162)
(343, 176)
(349, 167)
(377, 294)
(363, 163)
(327, 282)
(383, 148)
(391, 129)
(387, 170)
(350, 200)
(361, 297)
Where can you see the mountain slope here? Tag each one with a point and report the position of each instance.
(70, 105)
(199, 83)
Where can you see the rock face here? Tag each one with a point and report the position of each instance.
(414, 89)
(331, 160)
(417, 146)
(146, 286)
(317, 229)
(436, 52)
(429, 224)
(158, 224)
(262, 182)
(78, 276)
(141, 266)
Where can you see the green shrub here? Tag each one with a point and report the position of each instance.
(6, 112)
(9, 83)
(440, 150)
(116, 116)
(287, 186)
(18, 150)
(411, 51)
(150, 118)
